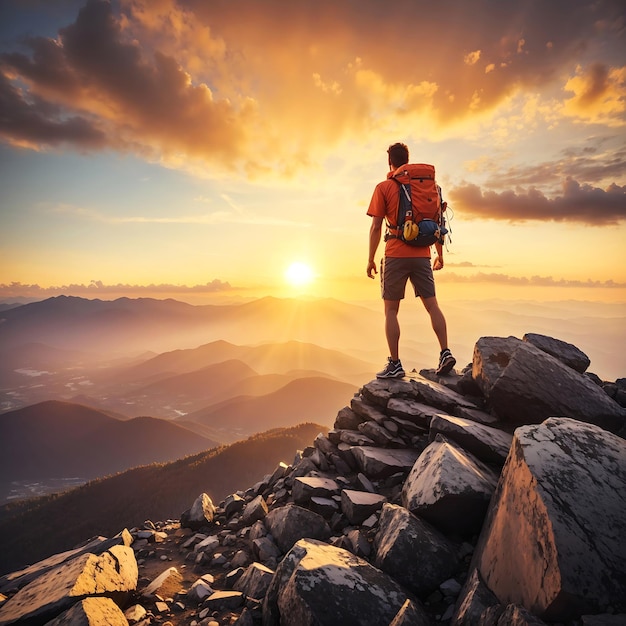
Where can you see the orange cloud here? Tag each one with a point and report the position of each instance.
(599, 94)
(264, 88)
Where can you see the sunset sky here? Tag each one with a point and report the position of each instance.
(202, 147)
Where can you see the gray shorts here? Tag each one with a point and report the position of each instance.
(394, 272)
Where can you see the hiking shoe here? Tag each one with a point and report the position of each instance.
(446, 362)
(393, 369)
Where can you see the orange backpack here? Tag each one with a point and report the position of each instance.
(420, 220)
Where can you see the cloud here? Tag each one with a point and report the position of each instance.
(599, 94)
(96, 288)
(194, 84)
(578, 203)
(533, 281)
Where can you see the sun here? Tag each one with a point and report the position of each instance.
(299, 274)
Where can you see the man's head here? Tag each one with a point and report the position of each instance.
(398, 155)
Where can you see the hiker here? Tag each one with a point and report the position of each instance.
(403, 260)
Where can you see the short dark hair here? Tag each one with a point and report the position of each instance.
(398, 154)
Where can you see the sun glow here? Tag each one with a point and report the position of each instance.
(299, 274)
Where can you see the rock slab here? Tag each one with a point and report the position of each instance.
(112, 574)
(561, 501)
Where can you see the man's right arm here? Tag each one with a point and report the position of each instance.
(375, 233)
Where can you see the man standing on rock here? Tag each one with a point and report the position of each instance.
(403, 262)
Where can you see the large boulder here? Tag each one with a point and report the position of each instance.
(113, 574)
(525, 385)
(292, 522)
(321, 585)
(411, 551)
(561, 503)
(449, 488)
(565, 352)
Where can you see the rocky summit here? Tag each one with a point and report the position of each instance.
(491, 497)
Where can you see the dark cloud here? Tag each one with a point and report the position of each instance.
(137, 99)
(583, 164)
(29, 120)
(578, 203)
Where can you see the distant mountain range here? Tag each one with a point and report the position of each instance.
(56, 440)
(34, 529)
(126, 325)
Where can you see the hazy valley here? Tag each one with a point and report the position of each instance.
(155, 380)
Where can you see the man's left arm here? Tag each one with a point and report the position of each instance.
(438, 263)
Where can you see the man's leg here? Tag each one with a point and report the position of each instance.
(437, 320)
(392, 327)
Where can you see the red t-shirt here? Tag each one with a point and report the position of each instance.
(384, 203)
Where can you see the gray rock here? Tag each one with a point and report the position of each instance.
(367, 411)
(113, 574)
(437, 395)
(378, 463)
(233, 504)
(208, 545)
(365, 483)
(449, 488)
(257, 530)
(476, 415)
(255, 581)
(377, 433)
(484, 442)
(319, 584)
(560, 501)
(354, 438)
(358, 543)
(92, 612)
(347, 419)
(265, 549)
(412, 552)
(306, 487)
(379, 391)
(357, 506)
(290, 523)
(474, 598)
(324, 445)
(200, 514)
(302, 468)
(565, 352)
(255, 510)
(199, 591)
(525, 385)
(224, 600)
(412, 411)
(340, 464)
(325, 507)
